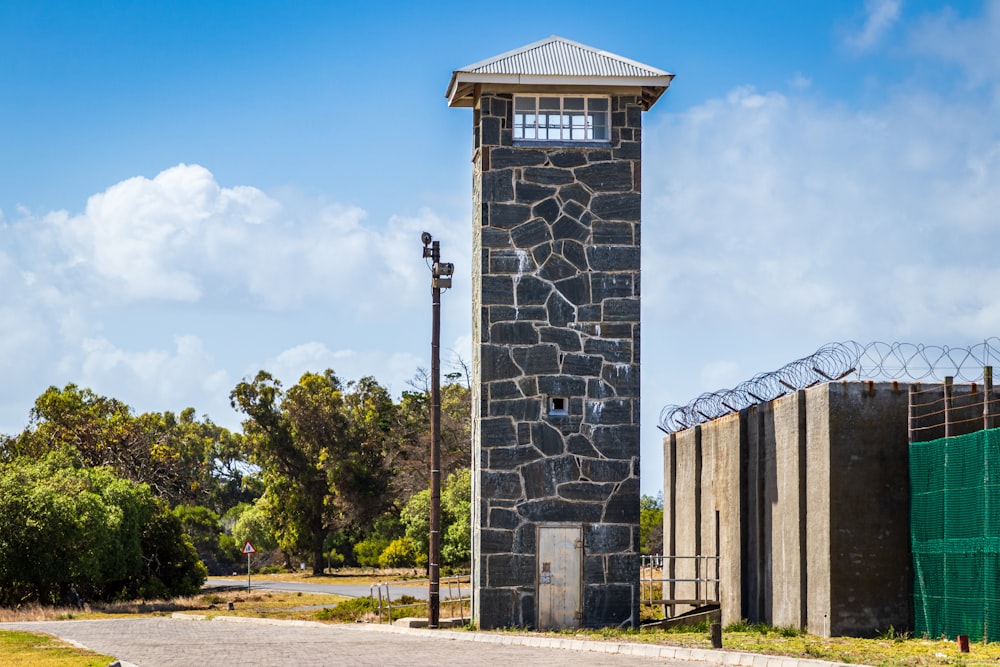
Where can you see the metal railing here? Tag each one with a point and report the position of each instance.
(456, 599)
(658, 574)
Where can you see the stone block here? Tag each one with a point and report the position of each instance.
(566, 339)
(614, 351)
(623, 377)
(572, 208)
(568, 228)
(508, 216)
(610, 285)
(603, 470)
(512, 458)
(576, 193)
(560, 311)
(541, 253)
(532, 292)
(546, 439)
(493, 541)
(513, 333)
(600, 389)
(587, 491)
(497, 364)
(489, 128)
(593, 570)
(502, 158)
(530, 234)
(617, 442)
(624, 504)
(561, 385)
(582, 364)
(497, 290)
(613, 176)
(531, 193)
(599, 155)
(621, 310)
(495, 484)
(623, 568)
(608, 411)
(497, 608)
(589, 313)
(509, 260)
(612, 233)
(607, 538)
(625, 206)
(497, 432)
(567, 159)
(525, 537)
(548, 176)
(576, 255)
(628, 150)
(529, 386)
(537, 359)
(519, 408)
(607, 605)
(576, 289)
(557, 510)
(547, 209)
(543, 476)
(493, 237)
(498, 186)
(579, 445)
(510, 570)
(500, 517)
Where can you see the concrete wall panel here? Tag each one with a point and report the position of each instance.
(870, 560)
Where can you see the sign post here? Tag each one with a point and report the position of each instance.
(248, 549)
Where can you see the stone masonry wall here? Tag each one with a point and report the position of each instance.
(556, 314)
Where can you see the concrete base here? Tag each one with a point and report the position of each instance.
(445, 623)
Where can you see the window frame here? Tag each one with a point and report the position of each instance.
(566, 120)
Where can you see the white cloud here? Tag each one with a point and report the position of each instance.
(776, 223)
(879, 17)
(971, 43)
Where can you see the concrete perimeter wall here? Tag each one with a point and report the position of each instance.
(807, 497)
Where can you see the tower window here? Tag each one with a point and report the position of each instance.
(561, 118)
(558, 406)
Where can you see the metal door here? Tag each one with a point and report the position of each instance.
(560, 576)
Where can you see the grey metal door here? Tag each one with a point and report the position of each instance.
(560, 576)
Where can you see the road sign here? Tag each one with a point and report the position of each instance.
(248, 548)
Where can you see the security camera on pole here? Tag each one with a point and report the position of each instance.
(440, 279)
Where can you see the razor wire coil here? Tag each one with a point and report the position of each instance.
(836, 361)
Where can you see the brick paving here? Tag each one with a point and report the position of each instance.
(186, 640)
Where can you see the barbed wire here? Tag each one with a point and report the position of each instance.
(835, 361)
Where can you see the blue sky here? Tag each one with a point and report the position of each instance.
(192, 191)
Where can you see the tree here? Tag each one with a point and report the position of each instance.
(456, 519)
(63, 526)
(181, 459)
(651, 524)
(322, 449)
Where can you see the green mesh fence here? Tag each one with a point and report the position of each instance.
(955, 533)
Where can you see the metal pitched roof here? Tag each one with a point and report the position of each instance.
(561, 62)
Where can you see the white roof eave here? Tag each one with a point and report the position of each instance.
(461, 81)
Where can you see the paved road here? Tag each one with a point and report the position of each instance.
(172, 642)
(417, 590)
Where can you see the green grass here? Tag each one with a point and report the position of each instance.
(26, 649)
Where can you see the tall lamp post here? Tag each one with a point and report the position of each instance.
(440, 279)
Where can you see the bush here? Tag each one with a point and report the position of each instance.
(347, 611)
(399, 553)
(367, 552)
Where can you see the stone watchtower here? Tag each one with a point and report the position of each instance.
(555, 390)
